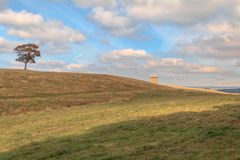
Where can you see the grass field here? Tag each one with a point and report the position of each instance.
(100, 117)
(22, 91)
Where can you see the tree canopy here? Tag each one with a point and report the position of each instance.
(27, 53)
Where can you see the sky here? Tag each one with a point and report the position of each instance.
(183, 42)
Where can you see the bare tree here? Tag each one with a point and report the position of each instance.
(27, 53)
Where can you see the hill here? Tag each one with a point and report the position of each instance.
(32, 83)
(113, 118)
(236, 90)
(22, 91)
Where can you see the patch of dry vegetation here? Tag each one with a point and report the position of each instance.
(18, 83)
(23, 91)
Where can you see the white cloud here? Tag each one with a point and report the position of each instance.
(125, 54)
(110, 20)
(22, 18)
(59, 65)
(52, 31)
(222, 28)
(237, 8)
(51, 63)
(7, 46)
(3, 4)
(174, 11)
(178, 65)
(123, 17)
(212, 47)
(53, 34)
(139, 60)
(217, 40)
(94, 3)
(73, 66)
(43, 64)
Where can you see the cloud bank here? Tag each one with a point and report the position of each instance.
(53, 35)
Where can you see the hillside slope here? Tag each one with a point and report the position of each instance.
(29, 83)
(101, 117)
(22, 91)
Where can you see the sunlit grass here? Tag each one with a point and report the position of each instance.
(44, 126)
(152, 123)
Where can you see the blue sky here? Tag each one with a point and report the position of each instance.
(183, 42)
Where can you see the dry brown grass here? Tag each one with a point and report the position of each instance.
(24, 91)
(18, 83)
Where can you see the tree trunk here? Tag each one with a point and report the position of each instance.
(25, 67)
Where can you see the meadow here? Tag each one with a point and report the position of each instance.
(102, 117)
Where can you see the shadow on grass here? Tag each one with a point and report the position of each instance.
(187, 135)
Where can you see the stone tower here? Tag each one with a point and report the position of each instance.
(153, 79)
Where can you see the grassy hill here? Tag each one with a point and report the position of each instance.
(23, 91)
(28, 83)
(101, 117)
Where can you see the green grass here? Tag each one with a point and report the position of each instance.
(153, 123)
